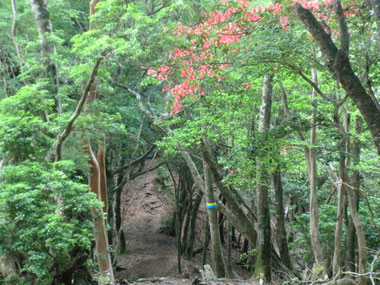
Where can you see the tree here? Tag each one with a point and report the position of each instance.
(337, 61)
(264, 247)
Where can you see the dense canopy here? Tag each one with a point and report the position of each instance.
(260, 121)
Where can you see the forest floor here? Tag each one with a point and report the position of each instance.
(150, 252)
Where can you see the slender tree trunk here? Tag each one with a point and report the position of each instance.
(341, 181)
(101, 241)
(235, 213)
(103, 178)
(310, 157)
(351, 233)
(360, 235)
(314, 219)
(98, 184)
(229, 269)
(45, 30)
(14, 29)
(264, 247)
(376, 12)
(216, 247)
(338, 229)
(178, 228)
(221, 224)
(206, 241)
(280, 217)
(185, 226)
(353, 200)
(193, 220)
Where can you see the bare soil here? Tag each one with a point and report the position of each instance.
(150, 252)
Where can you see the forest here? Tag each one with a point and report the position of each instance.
(238, 142)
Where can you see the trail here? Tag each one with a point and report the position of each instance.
(151, 253)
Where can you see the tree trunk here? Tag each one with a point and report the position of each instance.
(13, 30)
(351, 234)
(206, 241)
(193, 220)
(229, 269)
(45, 30)
(353, 200)
(360, 235)
(280, 219)
(98, 185)
(344, 143)
(178, 228)
(235, 213)
(314, 219)
(216, 247)
(103, 178)
(263, 257)
(338, 63)
(338, 230)
(185, 225)
(100, 233)
(376, 12)
(221, 224)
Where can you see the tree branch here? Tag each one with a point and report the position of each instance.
(344, 35)
(324, 41)
(137, 160)
(66, 132)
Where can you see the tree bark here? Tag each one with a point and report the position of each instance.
(338, 229)
(280, 219)
(263, 257)
(338, 63)
(206, 241)
(351, 233)
(344, 145)
(376, 12)
(14, 29)
(229, 269)
(192, 223)
(353, 199)
(216, 246)
(45, 30)
(98, 184)
(360, 235)
(314, 219)
(100, 233)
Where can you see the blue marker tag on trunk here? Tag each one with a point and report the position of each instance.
(211, 205)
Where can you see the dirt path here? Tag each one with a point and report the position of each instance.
(151, 253)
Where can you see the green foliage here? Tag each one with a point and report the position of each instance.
(167, 224)
(301, 247)
(23, 132)
(46, 218)
(246, 257)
